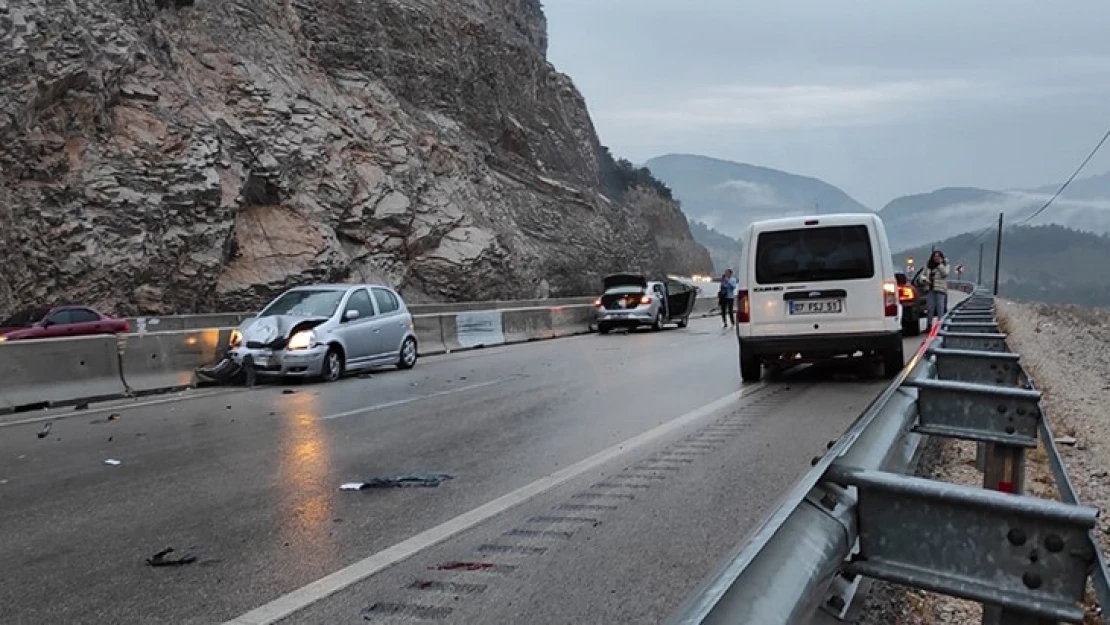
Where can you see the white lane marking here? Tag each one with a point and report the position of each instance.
(73, 412)
(409, 400)
(307, 595)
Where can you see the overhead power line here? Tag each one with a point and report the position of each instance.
(1068, 181)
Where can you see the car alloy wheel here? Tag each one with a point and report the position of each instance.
(408, 354)
(333, 366)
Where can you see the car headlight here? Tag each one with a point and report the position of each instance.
(302, 340)
(236, 338)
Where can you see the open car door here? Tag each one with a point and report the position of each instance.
(681, 298)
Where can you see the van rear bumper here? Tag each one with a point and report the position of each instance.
(817, 345)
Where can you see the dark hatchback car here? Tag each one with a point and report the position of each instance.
(912, 300)
(46, 322)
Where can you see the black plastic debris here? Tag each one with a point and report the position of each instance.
(45, 431)
(288, 391)
(82, 406)
(407, 480)
(464, 566)
(160, 559)
(225, 371)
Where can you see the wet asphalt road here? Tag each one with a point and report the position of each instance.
(249, 482)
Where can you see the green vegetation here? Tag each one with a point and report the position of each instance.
(1052, 263)
(618, 175)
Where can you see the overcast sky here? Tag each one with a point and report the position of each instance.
(879, 97)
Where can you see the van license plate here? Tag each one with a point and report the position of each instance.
(817, 307)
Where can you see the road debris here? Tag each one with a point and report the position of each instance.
(113, 462)
(45, 431)
(160, 559)
(464, 566)
(225, 371)
(82, 406)
(408, 480)
(288, 391)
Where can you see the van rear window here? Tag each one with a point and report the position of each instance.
(814, 255)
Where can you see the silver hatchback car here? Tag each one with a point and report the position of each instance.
(324, 331)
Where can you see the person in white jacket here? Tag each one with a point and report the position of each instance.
(936, 282)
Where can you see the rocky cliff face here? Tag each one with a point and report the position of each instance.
(189, 155)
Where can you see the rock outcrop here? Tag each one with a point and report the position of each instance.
(190, 155)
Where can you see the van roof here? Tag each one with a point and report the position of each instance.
(829, 219)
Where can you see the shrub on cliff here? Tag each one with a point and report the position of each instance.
(618, 175)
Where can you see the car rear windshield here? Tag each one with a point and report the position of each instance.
(305, 303)
(814, 255)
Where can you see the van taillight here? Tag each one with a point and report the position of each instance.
(743, 307)
(890, 298)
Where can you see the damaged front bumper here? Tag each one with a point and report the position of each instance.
(284, 362)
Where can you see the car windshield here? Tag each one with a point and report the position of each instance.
(305, 303)
(814, 254)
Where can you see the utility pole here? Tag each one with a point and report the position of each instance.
(998, 254)
(979, 276)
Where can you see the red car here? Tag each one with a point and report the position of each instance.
(59, 321)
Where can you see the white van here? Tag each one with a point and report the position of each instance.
(817, 287)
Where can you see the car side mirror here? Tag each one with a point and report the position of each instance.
(901, 279)
(350, 315)
(46, 323)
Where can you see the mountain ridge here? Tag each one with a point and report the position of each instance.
(1049, 263)
(727, 195)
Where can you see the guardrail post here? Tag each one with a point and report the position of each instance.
(1005, 472)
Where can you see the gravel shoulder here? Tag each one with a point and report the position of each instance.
(1064, 350)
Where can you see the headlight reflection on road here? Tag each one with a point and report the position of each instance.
(305, 488)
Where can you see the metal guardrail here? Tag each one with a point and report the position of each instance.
(857, 515)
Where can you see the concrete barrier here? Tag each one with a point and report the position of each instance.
(169, 360)
(59, 371)
(572, 320)
(526, 324)
(471, 330)
(177, 323)
(429, 334)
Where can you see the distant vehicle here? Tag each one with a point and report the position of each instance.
(818, 287)
(631, 300)
(327, 330)
(46, 322)
(912, 300)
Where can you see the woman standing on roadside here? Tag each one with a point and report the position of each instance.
(725, 297)
(936, 280)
